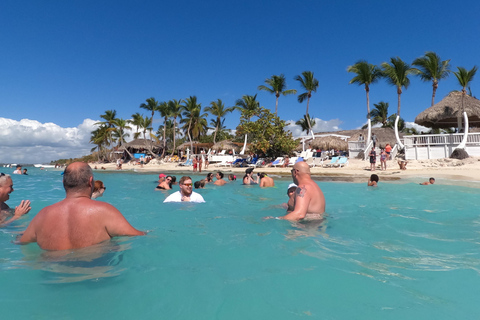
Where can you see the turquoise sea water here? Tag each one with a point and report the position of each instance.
(399, 251)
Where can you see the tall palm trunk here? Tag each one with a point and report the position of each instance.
(308, 118)
(215, 134)
(174, 134)
(189, 136)
(435, 86)
(164, 136)
(276, 104)
(399, 91)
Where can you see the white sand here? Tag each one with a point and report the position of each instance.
(356, 170)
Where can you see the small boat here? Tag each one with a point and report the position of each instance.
(44, 166)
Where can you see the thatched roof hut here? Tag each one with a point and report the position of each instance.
(197, 146)
(141, 144)
(445, 114)
(384, 136)
(227, 145)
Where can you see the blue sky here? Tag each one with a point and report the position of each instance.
(66, 62)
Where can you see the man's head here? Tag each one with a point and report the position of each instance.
(249, 171)
(6, 187)
(374, 177)
(78, 176)
(19, 167)
(292, 187)
(432, 180)
(219, 175)
(262, 175)
(300, 169)
(186, 186)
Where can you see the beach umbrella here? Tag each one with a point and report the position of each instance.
(446, 113)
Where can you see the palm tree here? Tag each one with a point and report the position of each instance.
(310, 84)
(120, 126)
(194, 122)
(164, 109)
(100, 138)
(303, 123)
(137, 119)
(432, 68)
(217, 109)
(464, 78)
(380, 113)
(109, 123)
(175, 112)
(151, 105)
(277, 84)
(397, 74)
(366, 74)
(248, 105)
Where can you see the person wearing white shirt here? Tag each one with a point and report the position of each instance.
(185, 194)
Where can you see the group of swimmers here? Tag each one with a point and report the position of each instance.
(79, 221)
(373, 181)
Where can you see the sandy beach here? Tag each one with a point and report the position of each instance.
(446, 171)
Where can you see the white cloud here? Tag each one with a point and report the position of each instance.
(30, 141)
(320, 126)
(417, 127)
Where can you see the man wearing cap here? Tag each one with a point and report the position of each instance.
(247, 179)
(309, 199)
(185, 194)
(266, 181)
(292, 187)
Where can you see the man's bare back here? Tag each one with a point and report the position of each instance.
(77, 221)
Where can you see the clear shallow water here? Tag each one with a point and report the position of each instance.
(395, 252)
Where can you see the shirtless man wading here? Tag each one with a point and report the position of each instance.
(77, 221)
(309, 198)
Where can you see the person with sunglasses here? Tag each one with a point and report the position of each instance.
(186, 193)
(6, 187)
(165, 184)
(98, 189)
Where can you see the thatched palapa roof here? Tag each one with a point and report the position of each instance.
(445, 113)
(227, 145)
(141, 143)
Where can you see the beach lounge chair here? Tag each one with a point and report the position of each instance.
(310, 162)
(343, 161)
(318, 162)
(223, 152)
(293, 160)
(278, 162)
(224, 163)
(331, 163)
(260, 162)
(187, 163)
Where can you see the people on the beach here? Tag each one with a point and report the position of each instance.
(388, 150)
(195, 163)
(185, 194)
(98, 189)
(373, 159)
(373, 180)
(219, 181)
(247, 179)
(402, 164)
(430, 181)
(77, 221)
(383, 159)
(18, 170)
(232, 177)
(309, 199)
(119, 164)
(142, 161)
(266, 181)
(374, 140)
(8, 215)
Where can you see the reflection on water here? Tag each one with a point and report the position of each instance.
(92, 263)
(308, 228)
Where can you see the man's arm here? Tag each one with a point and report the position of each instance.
(116, 225)
(20, 210)
(302, 200)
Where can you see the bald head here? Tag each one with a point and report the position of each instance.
(77, 176)
(4, 178)
(302, 167)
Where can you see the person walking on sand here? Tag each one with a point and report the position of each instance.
(6, 187)
(77, 221)
(383, 159)
(195, 163)
(200, 162)
(373, 159)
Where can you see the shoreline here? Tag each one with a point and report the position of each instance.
(356, 170)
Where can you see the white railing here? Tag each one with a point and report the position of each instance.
(436, 146)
